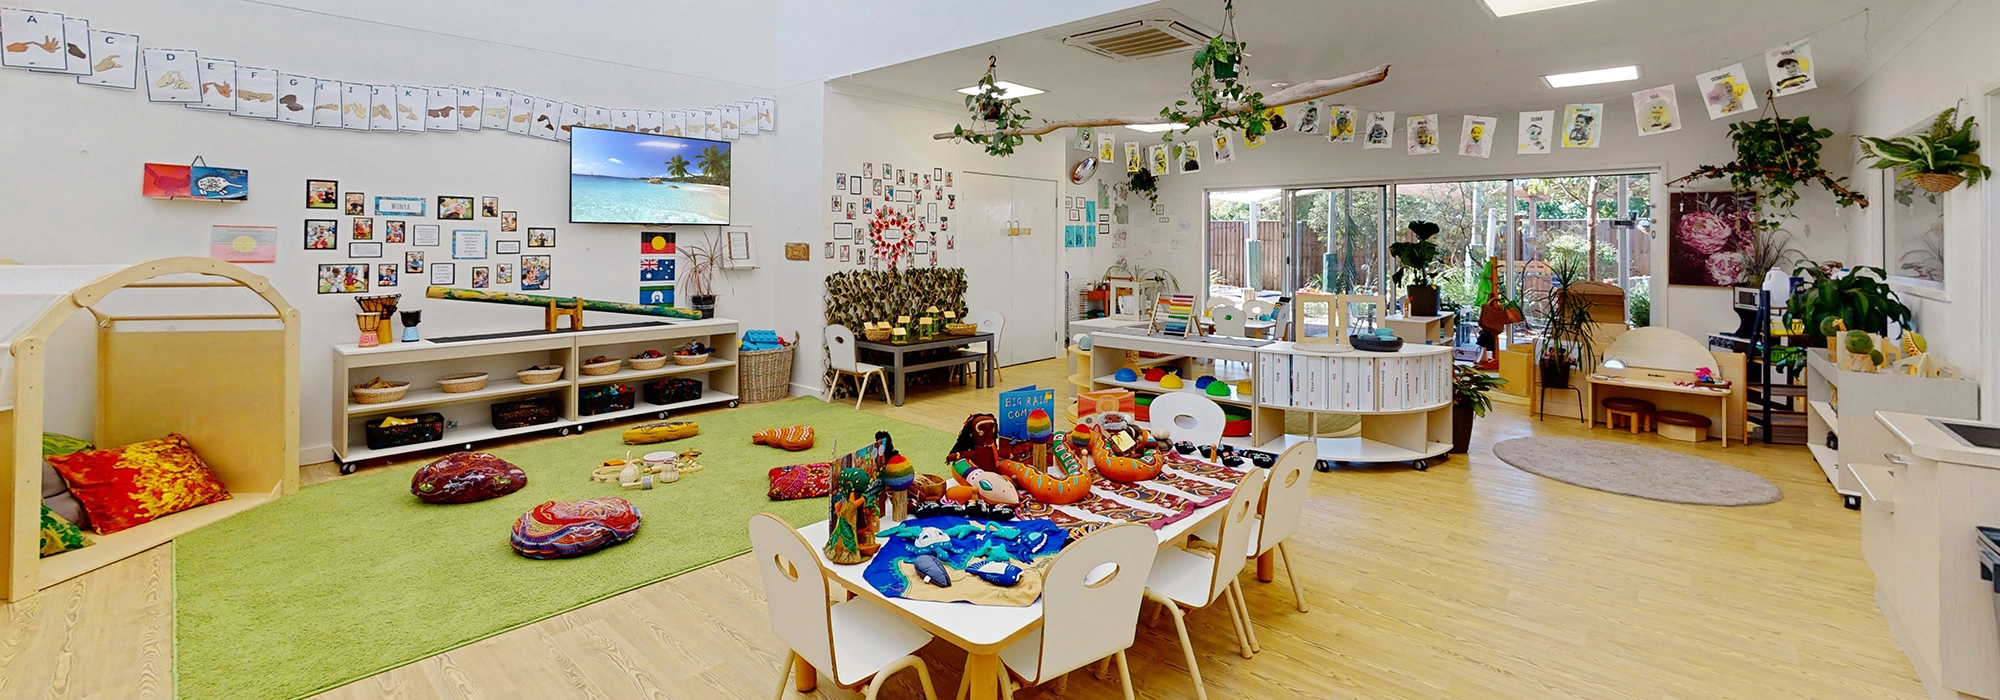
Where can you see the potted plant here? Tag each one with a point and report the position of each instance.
(1828, 301)
(1419, 260)
(1774, 157)
(1143, 182)
(995, 115)
(1938, 160)
(1566, 339)
(1469, 400)
(1220, 96)
(703, 258)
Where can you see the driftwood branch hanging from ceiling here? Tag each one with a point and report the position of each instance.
(1292, 95)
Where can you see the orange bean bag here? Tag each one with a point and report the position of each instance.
(795, 438)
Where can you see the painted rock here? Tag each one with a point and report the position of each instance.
(563, 529)
(466, 477)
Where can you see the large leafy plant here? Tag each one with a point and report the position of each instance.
(1859, 301)
(999, 113)
(1774, 158)
(1418, 258)
(1469, 388)
(1566, 340)
(1948, 148)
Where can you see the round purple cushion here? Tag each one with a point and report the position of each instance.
(466, 477)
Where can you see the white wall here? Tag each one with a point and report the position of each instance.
(1954, 59)
(1309, 159)
(72, 196)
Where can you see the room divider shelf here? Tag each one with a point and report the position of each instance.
(425, 398)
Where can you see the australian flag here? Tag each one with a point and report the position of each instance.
(656, 269)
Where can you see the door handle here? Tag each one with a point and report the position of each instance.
(1896, 459)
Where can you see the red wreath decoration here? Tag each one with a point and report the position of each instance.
(886, 219)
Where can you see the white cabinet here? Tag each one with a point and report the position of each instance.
(1919, 537)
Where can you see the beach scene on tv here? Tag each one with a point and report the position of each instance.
(619, 177)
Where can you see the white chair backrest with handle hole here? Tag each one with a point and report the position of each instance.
(794, 590)
(1208, 308)
(1090, 600)
(1187, 417)
(840, 348)
(1236, 527)
(1257, 309)
(1285, 495)
(1229, 320)
(988, 322)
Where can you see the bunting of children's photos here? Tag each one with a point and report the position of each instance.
(56, 44)
(1475, 139)
(1657, 110)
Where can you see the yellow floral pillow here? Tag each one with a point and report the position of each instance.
(59, 536)
(138, 483)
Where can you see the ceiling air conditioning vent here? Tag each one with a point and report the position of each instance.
(1143, 38)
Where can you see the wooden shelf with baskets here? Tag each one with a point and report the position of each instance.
(469, 414)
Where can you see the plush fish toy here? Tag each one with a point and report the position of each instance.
(996, 572)
(931, 570)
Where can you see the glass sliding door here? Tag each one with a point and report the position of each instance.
(1471, 219)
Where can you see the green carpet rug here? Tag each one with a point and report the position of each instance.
(353, 577)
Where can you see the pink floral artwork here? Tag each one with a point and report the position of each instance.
(1709, 240)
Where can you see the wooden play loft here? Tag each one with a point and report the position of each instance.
(230, 385)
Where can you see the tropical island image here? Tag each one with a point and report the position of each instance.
(620, 177)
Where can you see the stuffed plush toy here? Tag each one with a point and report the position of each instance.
(661, 432)
(795, 438)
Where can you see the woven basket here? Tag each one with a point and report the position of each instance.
(602, 368)
(764, 375)
(876, 335)
(691, 360)
(394, 392)
(649, 362)
(961, 328)
(1939, 182)
(539, 376)
(462, 382)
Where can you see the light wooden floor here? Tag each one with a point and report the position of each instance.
(1468, 581)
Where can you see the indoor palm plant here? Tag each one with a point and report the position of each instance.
(1469, 400)
(1858, 301)
(1938, 160)
(1566, 339)
(1419, 261)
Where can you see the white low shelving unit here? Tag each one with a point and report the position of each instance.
(1841, 430)
(469, 414)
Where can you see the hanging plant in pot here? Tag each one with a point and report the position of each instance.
(1143, 182)
(1469, 400)
(996, 117)
(1419, 265)
(1774, 158)
(1939, 160)
(1219, 95)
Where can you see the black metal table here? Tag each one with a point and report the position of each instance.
(987, 363)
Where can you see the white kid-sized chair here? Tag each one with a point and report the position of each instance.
(1198, 579)
(854, 641)
(1090, 604)
(988, 322)
(1187, 417)
(840, 348)
(1284, 506)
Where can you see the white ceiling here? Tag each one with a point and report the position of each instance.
(1446, 55)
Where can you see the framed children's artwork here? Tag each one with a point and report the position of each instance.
(479, 278)
(468, 244)
(401, 206)
(322, 194)
(364, 249)
(854, 185)
(395, 231)
(357, 203)
(503, 273)
(413, 262)
(385, 275)
(322, 234)
(454, 208)
(541, 238)
(536, 270)
(343, 278)
(510, 221)
(364, 228)
(444, 273)
(489, 207)
(507, 247)
(427, 235)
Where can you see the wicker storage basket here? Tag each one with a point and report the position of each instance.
(600, 369)
(961, 328)
(765, 375)
(394, 392)
(462, 382)
(539, 374)
(876, 335)
(1939, 182)
(691, 360)
(649, 362)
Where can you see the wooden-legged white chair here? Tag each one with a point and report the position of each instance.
(840, 351)
(854, 642)
(1090, 604)
(1198, 579)
(1283, 507)
(1187, 417)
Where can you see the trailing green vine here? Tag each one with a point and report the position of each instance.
(991, 106)
(1774, 157)
(1143, 182)
(1221, 97)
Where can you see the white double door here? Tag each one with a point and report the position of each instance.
(1012, 274)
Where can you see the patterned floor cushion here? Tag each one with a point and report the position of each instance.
(59, 536)
(563, 529)
(795, 438)
(466, 477)
(797, 481)
(138, 483)
(55, 491)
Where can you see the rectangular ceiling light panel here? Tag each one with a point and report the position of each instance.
(1504, 8)
(1593, 77)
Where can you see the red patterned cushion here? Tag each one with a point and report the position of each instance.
(801, 481)
(562, 529)
(138, 483)
(466, 477)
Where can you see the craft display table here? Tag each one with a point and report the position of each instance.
(1441, 329)
(987, 363)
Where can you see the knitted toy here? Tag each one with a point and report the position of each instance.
(795, 438)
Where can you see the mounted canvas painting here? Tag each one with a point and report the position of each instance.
(1709, 238)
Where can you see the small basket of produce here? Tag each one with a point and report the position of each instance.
(692, 354)
(462, 382)
(876, 332)
(540, 374)
(378, 391)
(650, 359)
(600, 365)
(961, 328)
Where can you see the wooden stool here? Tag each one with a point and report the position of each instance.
(1638, 413)
(1686, 427)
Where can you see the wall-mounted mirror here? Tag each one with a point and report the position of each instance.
(1913, 223)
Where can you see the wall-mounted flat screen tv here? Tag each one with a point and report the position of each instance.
(623, 177)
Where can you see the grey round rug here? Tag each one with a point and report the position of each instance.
(1635, 470)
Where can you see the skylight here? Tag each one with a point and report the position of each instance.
(1155, 128)
(1007, 90)
(1593, 77)
(1503, 8)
